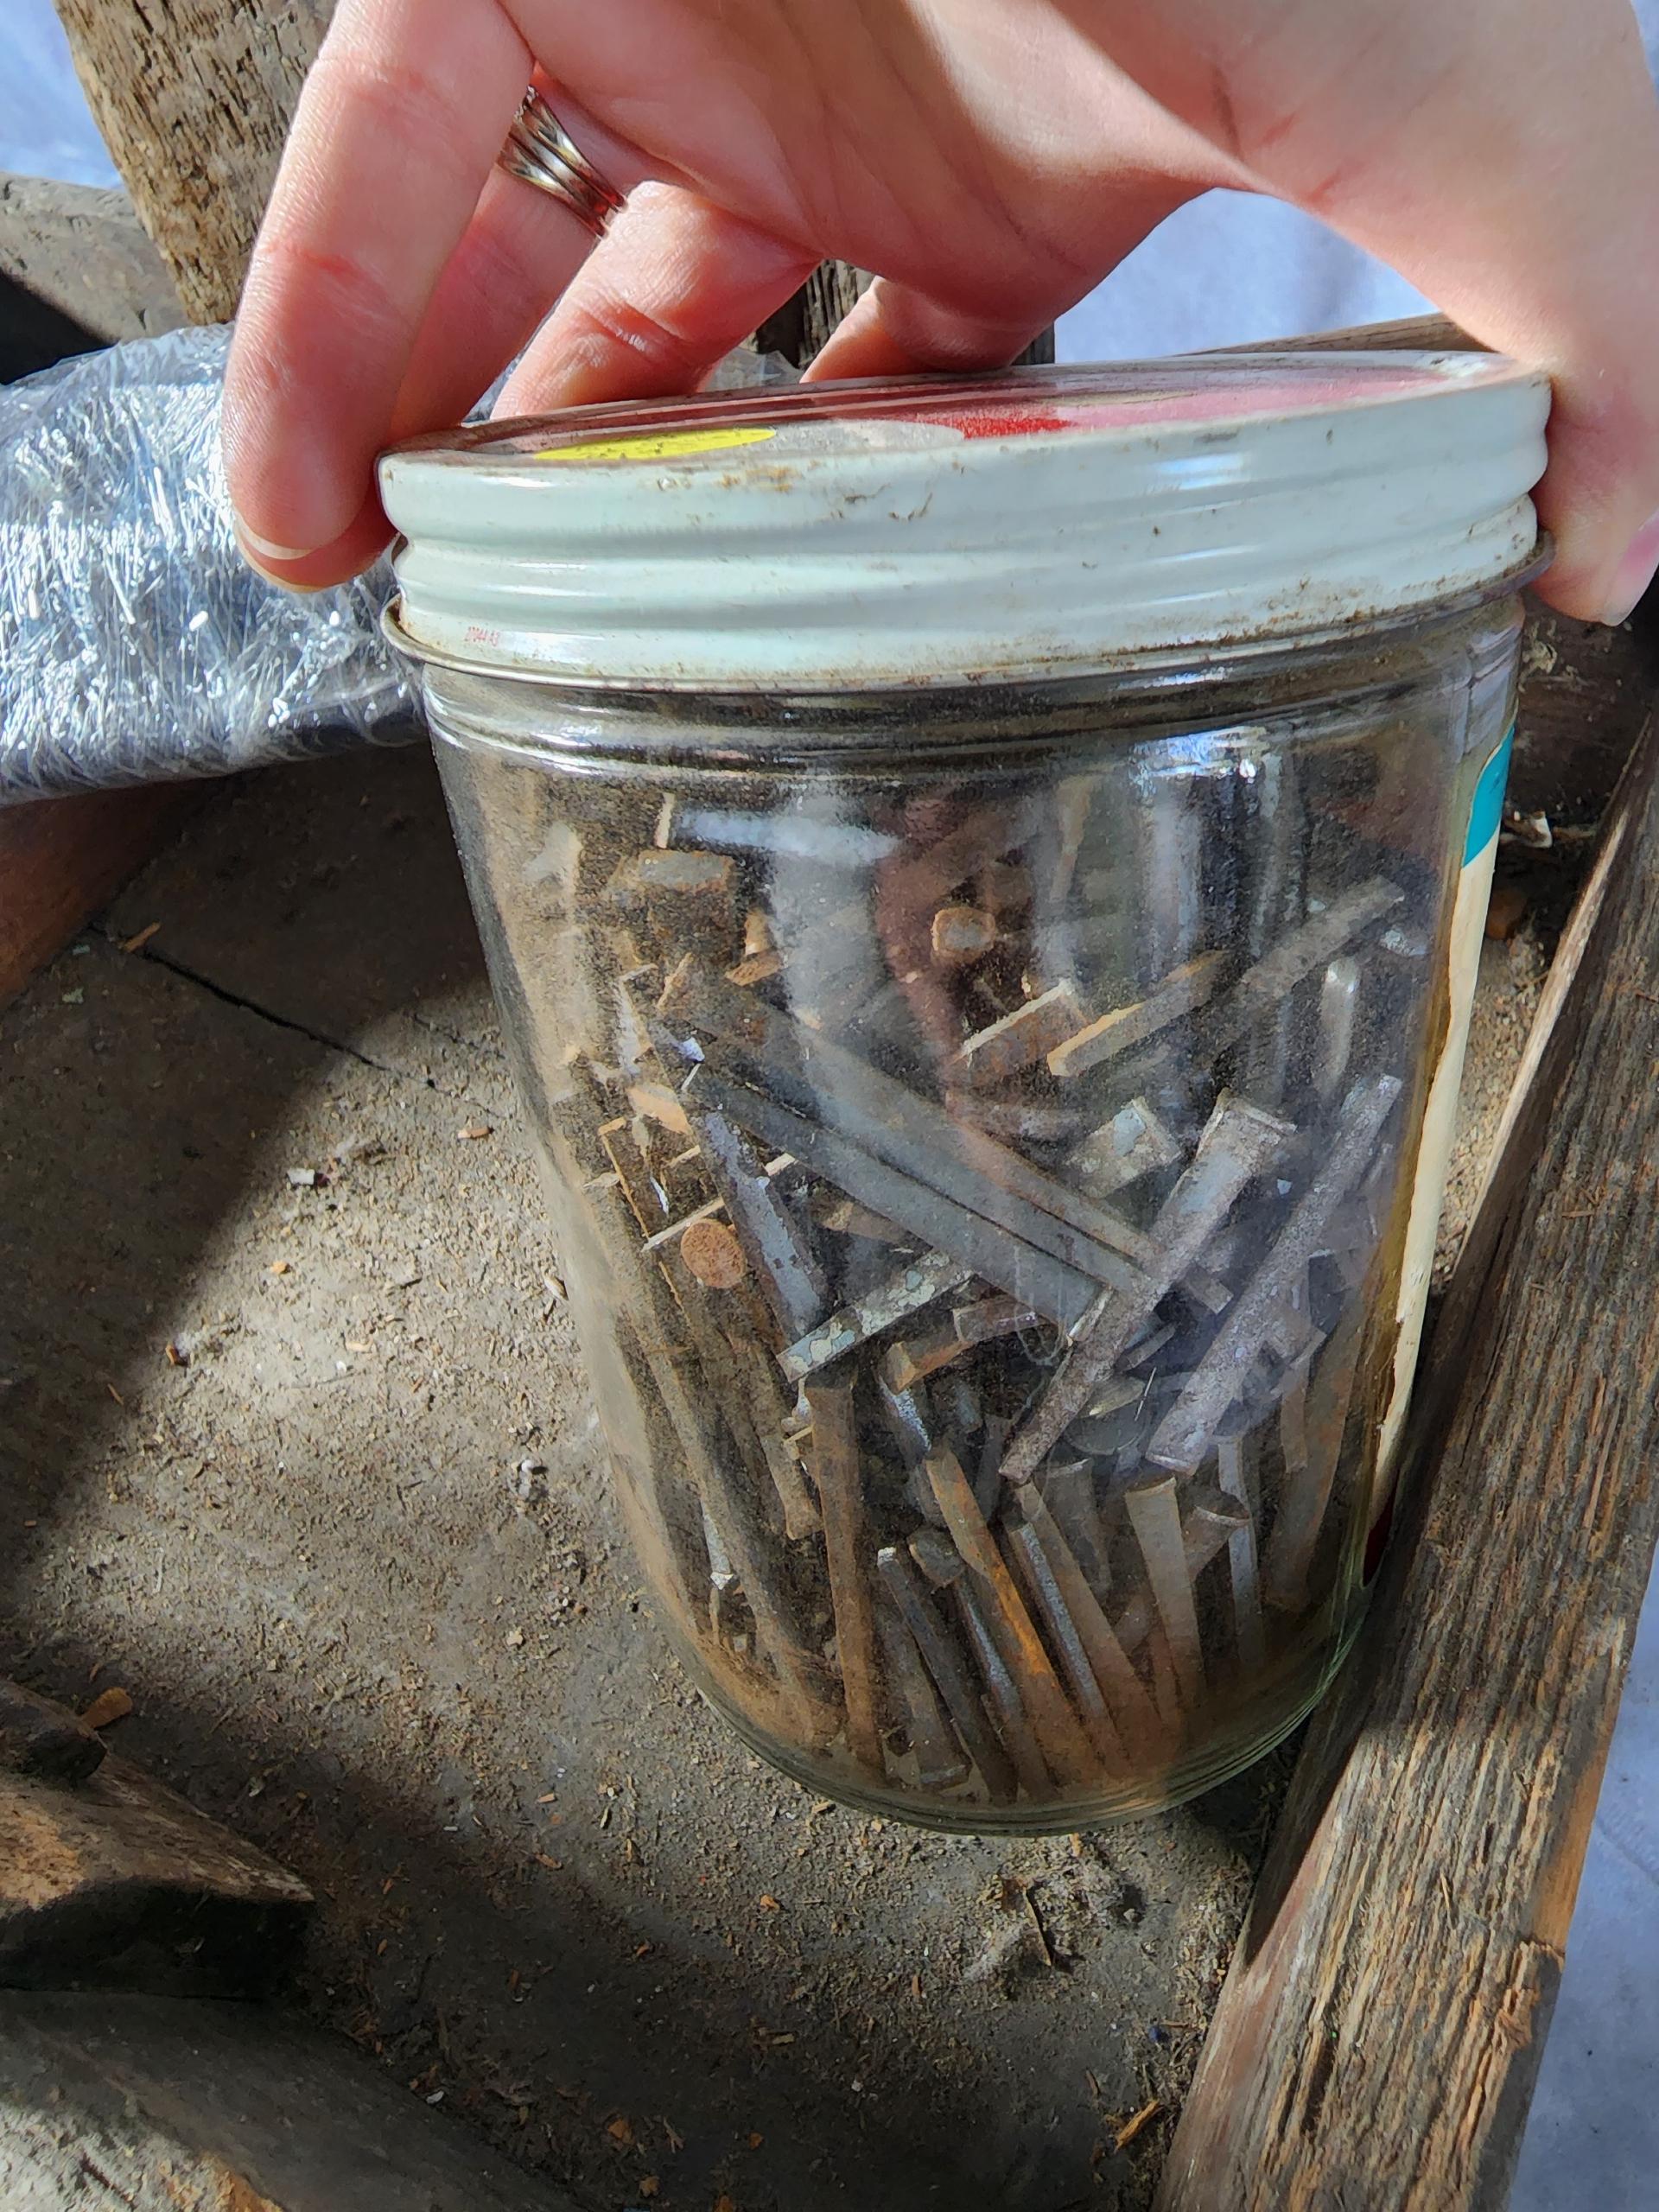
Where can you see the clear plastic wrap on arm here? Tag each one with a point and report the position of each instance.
(136, 644)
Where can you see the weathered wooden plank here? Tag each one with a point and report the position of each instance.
(1380, 2030)
(194, 98)
(1585, 689)
(197, 147)
(84, 253)
(39, 1737)
(147, 2104)
(60, 859)
(1412, 334)
(802, 325)
(116, 1882)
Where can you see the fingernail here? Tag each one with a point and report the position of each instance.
(260, 562)
(1635, 573)
(261, 549)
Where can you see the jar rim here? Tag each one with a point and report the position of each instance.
(889, 535)
(1214, 659)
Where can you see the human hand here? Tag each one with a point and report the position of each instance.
(991, 159)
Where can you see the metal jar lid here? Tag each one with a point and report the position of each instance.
(1038, 522)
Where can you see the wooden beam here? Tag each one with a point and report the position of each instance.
(115, 1882)
(84, 252)
(119, 2103)
(1379, 2033)
(61, 859)
(1412, 333)
(194, 98)
(802, 326)
(1585, 687)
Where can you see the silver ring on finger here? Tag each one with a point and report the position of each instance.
(541, 150)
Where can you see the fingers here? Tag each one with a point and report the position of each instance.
(893, 331)
(519, 253)
(1503, 156)
(673, 287)
(395, 132)
(897, 329)
(1599, 498)
(1552, 256)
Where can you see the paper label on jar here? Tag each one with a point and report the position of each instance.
(660, 445)
(1440, 1114)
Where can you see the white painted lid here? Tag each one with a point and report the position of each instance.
(1041, 521)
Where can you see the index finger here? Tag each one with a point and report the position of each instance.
(396, 129)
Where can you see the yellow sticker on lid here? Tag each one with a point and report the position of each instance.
(662, 445)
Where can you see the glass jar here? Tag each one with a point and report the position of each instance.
(995, 1102)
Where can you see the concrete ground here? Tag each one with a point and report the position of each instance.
(295, 1445)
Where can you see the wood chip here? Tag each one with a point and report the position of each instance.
(112, 1704)
(1131, 2128)
(1505, 912)
(758, 967)
(137, 943)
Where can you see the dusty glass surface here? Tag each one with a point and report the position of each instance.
(982, 1126)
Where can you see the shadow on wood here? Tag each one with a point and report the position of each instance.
(109, 1880)
(158, 2105)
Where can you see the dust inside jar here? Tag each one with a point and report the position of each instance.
(986, 1124)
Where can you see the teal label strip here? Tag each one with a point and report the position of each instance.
(1486, 815)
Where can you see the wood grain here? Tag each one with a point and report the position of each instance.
(1585, 689)
(43, 1739)
(1379, 2033)
(801, 326)
(60, 859)
(164, 2104)
(117, 1882)
(194, 98)
(84, 252)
